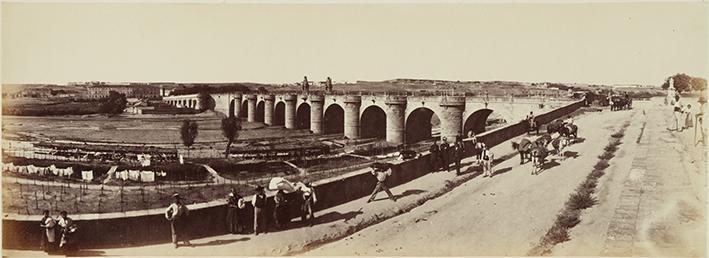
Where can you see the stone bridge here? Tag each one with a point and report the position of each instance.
(403, 118)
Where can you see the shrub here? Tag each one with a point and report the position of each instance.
(555, 235)
(610, 148)
(606, 155)
(618, 134)
(588, 187)
(601, 165)
(596, 173)
(579, 201)
(568, 218)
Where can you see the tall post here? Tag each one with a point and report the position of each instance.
(252, 108)
(317, 103)
(352, 104)
(237, 105)
(268, 109)
(396, 110)
(290, 111)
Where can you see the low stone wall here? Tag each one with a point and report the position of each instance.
(208, 219)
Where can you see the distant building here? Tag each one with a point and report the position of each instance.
(131, 90)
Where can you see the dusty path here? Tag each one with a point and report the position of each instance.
(652, 200)
(503, 215)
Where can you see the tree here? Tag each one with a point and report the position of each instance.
(114, 104)
(698, 84)
(204, 100)
(682, 82)
(188, 133)
(230, 128)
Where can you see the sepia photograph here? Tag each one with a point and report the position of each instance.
(354, 128)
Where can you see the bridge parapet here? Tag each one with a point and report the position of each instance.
(353, 99)
(395, 100)
(290, 97)
(453, 101)
(316, 98)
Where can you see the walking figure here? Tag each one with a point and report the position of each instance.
(49, 239)
(177, 213)
(487, 159)
(435, 152)
(68, 228)
(234, 204)
(444, 154)
(309, 199)
(459, 152)
(382, 174)
(279, 212)
(259, 203)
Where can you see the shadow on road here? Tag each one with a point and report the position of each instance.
(85, 253)
(500, 171)
(408, 192)
(546, 166)
(571, 154)
(335, 216)
(221, 242)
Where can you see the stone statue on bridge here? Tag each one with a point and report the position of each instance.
(328, 84)
(305, 86)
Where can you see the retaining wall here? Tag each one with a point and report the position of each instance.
(208, 219)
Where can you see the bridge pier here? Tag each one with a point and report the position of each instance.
(317, 103)
(352, 104)
(237, 105)
(268, 109)
(396, 110)
(252, 108)
(290, 111)
(452, 108)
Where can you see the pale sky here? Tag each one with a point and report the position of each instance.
(610, 43)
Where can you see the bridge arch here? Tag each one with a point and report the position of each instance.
(421, 124)
(334, 119)
(244, 111)
(260, 107)
(232, 108)
(302, 116)
(476, 121)
(373, 122)
(279, 113)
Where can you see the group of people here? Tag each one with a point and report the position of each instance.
(177, 212)
(441, 153)
(684, 117)
(58, 233)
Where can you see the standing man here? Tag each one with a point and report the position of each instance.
(48, 232)
(487, 158)
(677, 113)
(234, 203)
(435, 156)
(381, 174)
(308, 200)
(280, 209)
(532, 123)
(444, 154)
(176, 213)
(459, 150)
(67, 228)
(259, 203)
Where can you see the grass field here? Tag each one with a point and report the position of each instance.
(156, 130)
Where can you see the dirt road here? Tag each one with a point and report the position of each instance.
(502, 215)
